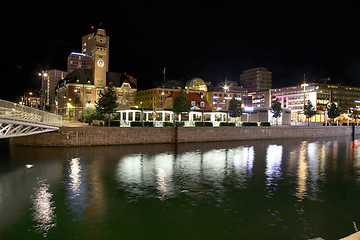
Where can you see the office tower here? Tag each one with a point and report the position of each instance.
(256, 79)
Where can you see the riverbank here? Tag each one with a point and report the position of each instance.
(97, 136)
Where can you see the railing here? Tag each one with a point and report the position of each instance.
(14, 110)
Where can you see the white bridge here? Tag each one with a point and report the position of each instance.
(18, 120)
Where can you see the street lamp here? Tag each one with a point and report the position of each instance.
(304, 85)
(42, 75)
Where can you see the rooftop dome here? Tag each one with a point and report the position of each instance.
(196, 84)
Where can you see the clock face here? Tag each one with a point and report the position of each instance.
(100, 63)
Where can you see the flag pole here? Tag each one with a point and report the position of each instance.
(164, 72)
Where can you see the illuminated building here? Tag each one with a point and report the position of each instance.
(196, 99)
(220, 95)
(30, 99)
(83, 85)
(91, 43)
(49, 80)
(154, 97)
(77, 90)
(196, 84)
(78, 60)
(256, 79)
(320, 94)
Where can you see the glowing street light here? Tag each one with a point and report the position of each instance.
(42, 75)
(304, 85)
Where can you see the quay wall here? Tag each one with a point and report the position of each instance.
(92, 136)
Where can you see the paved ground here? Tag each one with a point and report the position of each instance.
(355, 236)
(74, 124)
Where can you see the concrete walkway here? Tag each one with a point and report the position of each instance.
(74, 124)
(355, 236)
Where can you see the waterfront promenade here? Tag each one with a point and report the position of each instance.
(78, 134)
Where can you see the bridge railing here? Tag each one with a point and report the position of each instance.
(14, 110)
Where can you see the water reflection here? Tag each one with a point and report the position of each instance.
(76, 186)
(43, 208)
(139, 173)
(302, 172)
(273, 167)
(215, 190)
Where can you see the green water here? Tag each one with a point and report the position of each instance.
(273, 189)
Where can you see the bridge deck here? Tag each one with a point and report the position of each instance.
(18, 120)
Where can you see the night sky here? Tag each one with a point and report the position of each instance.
(210, 41)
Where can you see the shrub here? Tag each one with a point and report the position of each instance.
(168, 124)
(135, 124)
(227, 124)
(265, 124)
(115, 123)
(249, 124)
(199, 124)
(180, 124)
(148, 124)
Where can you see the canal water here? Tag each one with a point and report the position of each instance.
(268, 189)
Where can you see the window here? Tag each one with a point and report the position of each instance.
(88, 90)
(202, 104)
(193, 103)
(120, 93)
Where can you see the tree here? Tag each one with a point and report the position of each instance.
(235, 107)
(107, 102)
(88, 114)
(334, 111)
(309, 111)
(276, 109)
(181, 104)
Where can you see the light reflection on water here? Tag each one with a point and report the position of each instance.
(43, 208)
(77, 193)
(220, 190)
(273, 167)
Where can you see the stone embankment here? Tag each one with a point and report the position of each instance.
(92, 136)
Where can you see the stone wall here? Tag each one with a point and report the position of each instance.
(92, 136)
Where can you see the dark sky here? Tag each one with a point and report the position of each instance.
(211, 41)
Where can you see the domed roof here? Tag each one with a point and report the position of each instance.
(196, 84)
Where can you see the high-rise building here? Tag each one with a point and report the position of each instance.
(78, 60)
(50, 79)
(92, 42)
(256, 79)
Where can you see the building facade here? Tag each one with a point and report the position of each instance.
(320, 95)
(154, 97)
(78, 60)
(77, 90)
(256, 79)
(220, 95)
(93, 42)
(49, 80)
(84, 86)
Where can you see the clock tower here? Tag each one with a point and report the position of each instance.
(99, 58)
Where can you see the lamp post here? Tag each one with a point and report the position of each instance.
(304, 85)
(226, 88)
(42, 75)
